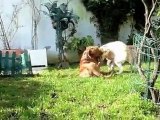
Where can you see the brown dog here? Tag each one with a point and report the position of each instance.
(89, 63)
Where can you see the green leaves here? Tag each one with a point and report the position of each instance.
(79, 43)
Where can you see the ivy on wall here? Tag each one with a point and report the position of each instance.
(109, 14)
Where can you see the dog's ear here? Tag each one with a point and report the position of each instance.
(86, 54)
(108, 54)
(94, 51)
(90, 51)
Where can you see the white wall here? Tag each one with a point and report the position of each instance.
(46, 34)
(125, 29)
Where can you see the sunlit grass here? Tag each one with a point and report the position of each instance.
(61, 95)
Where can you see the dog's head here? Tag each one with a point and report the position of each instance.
(107, 54)
(94, 51)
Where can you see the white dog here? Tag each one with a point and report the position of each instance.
(115, 53)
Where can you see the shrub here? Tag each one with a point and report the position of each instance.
(79, 44)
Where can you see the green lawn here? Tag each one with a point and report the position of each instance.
(62, 95)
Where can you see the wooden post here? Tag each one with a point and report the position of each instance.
(0, 62)
(20, 65)
(6, 63)
(13, 66)
(28, 62)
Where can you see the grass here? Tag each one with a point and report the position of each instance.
(62, 95)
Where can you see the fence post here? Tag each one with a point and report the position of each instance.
(13, 66)
(28, 62)
(6, 63)
(0, 62)
(20, 65)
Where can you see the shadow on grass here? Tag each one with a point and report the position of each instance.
(71, 66)
(16, 93)
(20, 94)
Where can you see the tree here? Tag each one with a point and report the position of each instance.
(35, 21)
(148, 31)
(7, 33)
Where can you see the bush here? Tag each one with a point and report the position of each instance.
(79, 44)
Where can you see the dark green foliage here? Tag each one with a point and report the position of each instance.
(79, 44)
(111, 13)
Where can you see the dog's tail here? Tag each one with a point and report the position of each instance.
(107, 74)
